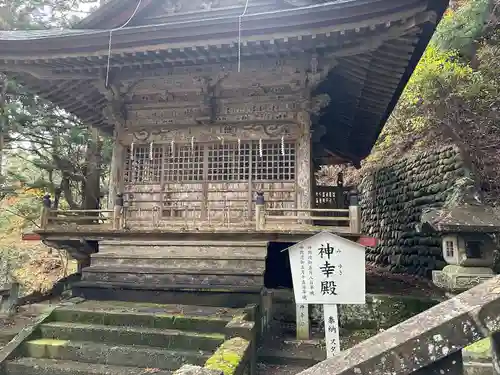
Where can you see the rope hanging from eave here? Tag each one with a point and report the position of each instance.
(239, 34)
(111, 38)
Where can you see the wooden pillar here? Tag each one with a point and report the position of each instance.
(260, 214)
(354, 213)
(118, 212)
(303, 160)
(117, 164)
(44, 216)
(303, 328)
(92, 185)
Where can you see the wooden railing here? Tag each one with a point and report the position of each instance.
(78, 217)
(351, 216)
(265, 218)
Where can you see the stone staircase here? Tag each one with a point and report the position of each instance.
(113, 338)
(174, 271)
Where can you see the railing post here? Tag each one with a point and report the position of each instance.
(44, 217)
(354, 212)
(260, 211)
(118, 212)
(156, 216)
(9, 302)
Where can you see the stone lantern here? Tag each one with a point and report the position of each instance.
(467, 244)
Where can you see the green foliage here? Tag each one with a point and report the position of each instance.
(21, 209)
(453, 98)
(461, 28)
(48, 148)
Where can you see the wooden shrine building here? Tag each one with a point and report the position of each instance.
(211, 102)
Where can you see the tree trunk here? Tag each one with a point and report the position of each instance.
(91, 187)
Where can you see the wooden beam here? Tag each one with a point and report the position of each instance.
(375, 63)
(46, 74)
(375, 42)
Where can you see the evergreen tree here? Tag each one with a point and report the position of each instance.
(63, 153)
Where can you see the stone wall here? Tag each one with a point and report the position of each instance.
(392, 201)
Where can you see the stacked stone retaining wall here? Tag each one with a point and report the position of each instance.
(392, 200)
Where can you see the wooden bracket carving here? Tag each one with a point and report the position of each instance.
(115, 95)
(318, 71)
(319, 102)
(172, 6)
(209, 4)
(212, 91)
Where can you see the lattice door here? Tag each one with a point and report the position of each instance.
(211, 181)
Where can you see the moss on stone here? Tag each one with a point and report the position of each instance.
(240, 318)
(480, 349)
(49, 342)
(228, 356)
(193, 317)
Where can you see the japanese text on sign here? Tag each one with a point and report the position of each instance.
(328, 269)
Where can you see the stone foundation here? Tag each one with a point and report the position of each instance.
(379, 312)
(392, 201)
(457, 279)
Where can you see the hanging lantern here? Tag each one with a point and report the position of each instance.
(261, 153)
(283, 146)
(132, 151)
(151, 151)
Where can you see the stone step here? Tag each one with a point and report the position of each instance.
(293, 353)
(478, 368)
(161, 338)
(228, 296)
(172, 276)
(115, 355)
(38, 366)
(147, 316)
(201, 249)
(180, 261)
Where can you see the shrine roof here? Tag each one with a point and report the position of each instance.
(464, 218)
(376, 45)
(40, 34)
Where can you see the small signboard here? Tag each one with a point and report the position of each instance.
(327, 270)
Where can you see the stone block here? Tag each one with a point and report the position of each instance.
(146, 319)
(174, 276)
(234, 356)
(457, 279)
(39, 366)
(173, 339)
(393, 199)
(8, 299)
(116, 355)
(197, 370)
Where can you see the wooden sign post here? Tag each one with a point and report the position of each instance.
(327, 270)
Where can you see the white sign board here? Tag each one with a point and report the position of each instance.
(328, 269)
